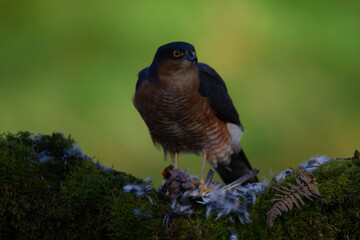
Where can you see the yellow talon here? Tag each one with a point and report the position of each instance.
(203, 187)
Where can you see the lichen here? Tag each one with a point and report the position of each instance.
(49, 189)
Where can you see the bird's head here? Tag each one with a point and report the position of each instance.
(173, 61)
(179, 53)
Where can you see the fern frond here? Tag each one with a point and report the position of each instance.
(288, 203)
(282, 191)
(306, 187)
(293, 200)
(310, 181)
(297, 195)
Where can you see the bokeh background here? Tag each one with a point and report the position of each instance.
(292, 70)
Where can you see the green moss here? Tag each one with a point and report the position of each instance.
(48, 190)
(334, 216)
(23, 195)
(65, 196)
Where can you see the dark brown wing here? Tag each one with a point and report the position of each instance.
(213, 87)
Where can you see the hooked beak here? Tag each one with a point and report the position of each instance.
(193, 57)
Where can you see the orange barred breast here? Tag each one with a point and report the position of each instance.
(181, 120)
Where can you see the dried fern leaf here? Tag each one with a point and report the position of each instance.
(282, 206)
(279, 195)
(288, 203)
(283, 187)
(310, 181)
(292, 186)
(304, 191)
(282, 191)
(293, 200)
(306, 187)
(276, 199)
(275, 210)
(298, 182)
(297, 195)
(306, 177)
(272, 215)
(315, 190)
(271, 219)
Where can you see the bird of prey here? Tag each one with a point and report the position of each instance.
(187, 108)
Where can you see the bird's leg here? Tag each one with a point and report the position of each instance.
(176, 160)
(203, 186)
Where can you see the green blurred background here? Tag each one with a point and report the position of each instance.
(292, 70)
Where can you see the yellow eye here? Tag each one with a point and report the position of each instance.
(177, 53)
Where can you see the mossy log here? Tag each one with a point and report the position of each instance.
(51, 190)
